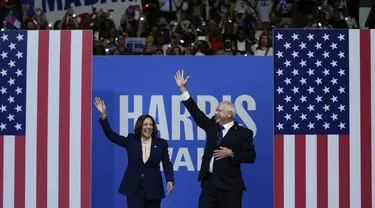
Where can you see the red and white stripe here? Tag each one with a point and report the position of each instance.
(51, 165)
(334, 171)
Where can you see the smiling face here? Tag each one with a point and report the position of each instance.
(223, 113)
(147, 128)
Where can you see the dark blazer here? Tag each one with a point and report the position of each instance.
(153, 183)
(227, 172)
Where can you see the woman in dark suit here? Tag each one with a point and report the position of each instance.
(142, 182)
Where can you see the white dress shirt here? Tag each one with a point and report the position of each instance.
(146, 149)
(227, 126)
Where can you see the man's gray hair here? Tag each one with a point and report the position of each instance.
(228, 106)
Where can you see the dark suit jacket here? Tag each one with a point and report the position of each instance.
(153, 183)
(227, 172)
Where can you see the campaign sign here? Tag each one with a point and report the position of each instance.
(135, 44)
(56, 9)
(135, 85)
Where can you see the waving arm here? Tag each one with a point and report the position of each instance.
(109, 133)
(199, 117)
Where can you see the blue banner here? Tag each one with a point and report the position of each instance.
(50, 5)
(135, 85)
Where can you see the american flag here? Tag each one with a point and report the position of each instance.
(324, 128)
(45, 118)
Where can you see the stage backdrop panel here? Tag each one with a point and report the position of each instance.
(135, 85)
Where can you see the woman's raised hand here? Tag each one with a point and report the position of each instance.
(100, 105)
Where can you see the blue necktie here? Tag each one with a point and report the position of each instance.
(220, 136)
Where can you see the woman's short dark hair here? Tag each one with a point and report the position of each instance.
(139, 124)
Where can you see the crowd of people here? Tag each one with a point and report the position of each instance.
(198, 27)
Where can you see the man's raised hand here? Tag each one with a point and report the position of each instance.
(180, 80)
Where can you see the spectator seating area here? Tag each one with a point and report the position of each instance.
(195, 27)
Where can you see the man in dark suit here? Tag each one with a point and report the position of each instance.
(227, 146)
(142, 181)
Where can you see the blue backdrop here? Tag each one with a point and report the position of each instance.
(134, 85)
